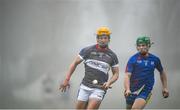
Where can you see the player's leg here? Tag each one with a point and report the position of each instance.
(129, 101)
(82, 99)
(95, 99)
(128, 106)
(139, 104)
(93, 103)
(81, 104)
(142, 99)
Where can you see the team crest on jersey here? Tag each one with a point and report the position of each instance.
(152, 62)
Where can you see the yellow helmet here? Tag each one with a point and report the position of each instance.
(103, 31)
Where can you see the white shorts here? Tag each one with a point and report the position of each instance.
(85, 93)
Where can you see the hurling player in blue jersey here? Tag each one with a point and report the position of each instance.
(98, 60)
(139, 75)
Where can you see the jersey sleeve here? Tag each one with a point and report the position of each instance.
(129, 66)
(159, 65)
(115, 62)
(83, 53)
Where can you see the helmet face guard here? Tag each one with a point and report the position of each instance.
(143, 49)
(103, 45)
(103, 41)
(143, 44)
(103, 33)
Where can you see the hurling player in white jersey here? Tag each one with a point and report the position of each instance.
(98, 60)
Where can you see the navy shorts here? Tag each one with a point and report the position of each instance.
(144, 94)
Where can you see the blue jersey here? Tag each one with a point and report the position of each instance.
(142, 71)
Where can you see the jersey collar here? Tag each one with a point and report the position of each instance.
(101, 49)
(142, 56)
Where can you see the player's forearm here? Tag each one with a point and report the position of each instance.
(70, 71)
(163, 79)
(73, 67)
(127, 82)
(114, 78)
